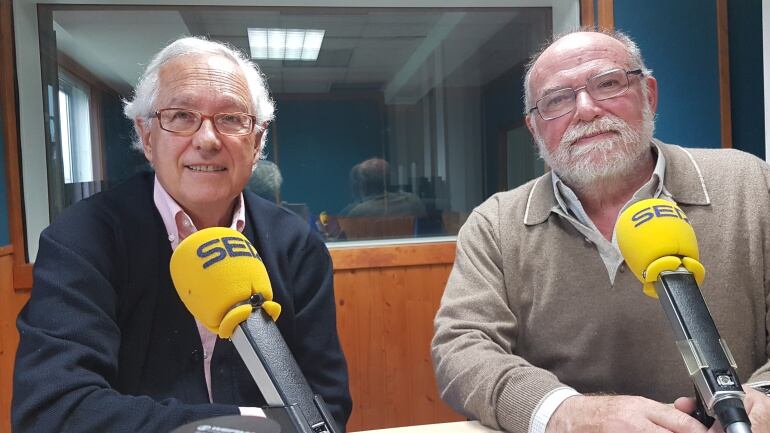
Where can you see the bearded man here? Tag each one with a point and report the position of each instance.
(542, 328)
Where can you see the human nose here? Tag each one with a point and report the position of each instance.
(207, 137)
(586, 107)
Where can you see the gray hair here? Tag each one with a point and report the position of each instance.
(635, 60)
(266, 180)
(147, 89)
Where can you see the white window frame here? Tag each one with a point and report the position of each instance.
(566, 16)
(766, 69)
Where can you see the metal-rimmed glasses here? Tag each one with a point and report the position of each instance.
(606, 85)
(187, 122)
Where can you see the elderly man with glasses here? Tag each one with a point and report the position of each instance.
(106, 344)
(542, 327)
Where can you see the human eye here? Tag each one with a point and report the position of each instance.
(233, 123)
(231, 118)
(608, 82)
(557, 99)
(181, 116)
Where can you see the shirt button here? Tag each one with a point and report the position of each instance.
(171, 238)
(622, 268)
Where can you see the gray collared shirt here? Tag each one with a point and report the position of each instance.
(570, 208)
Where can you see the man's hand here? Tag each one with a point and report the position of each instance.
(622, 413)
(757, 407)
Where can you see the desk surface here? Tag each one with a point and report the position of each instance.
(450, 427)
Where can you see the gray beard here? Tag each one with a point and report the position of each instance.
(603, 161)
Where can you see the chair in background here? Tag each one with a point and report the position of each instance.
(376, 227)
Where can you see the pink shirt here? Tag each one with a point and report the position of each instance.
(179, 226)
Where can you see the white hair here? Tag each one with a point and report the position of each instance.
(635, 60)
(142, 105)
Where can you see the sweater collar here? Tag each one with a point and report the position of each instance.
(683, 180)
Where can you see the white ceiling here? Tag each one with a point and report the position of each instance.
(402, 53)
(115, 45)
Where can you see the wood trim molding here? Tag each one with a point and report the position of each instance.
(587, 13)
(11, 133)
(343, 258)
(606, 14)
(723, 50)
(22, 277)
(6, 250)
(393, 256)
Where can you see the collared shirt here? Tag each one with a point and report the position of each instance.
(179, 225)
(570, 208)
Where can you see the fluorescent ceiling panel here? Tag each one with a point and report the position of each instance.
(285, 44)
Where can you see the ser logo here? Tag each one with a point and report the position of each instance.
(658, 211)
(230, 246)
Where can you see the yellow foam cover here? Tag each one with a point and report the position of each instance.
(215, 272)
(655, 235)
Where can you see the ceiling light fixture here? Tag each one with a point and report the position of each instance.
(285, 44)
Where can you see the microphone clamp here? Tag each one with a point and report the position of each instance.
(256, 300)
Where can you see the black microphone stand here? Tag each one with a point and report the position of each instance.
(708, 359)
(290, 400)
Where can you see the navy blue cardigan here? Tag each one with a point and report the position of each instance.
(106, 345)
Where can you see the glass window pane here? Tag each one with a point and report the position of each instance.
(391, 122)
(66, 147)
(75, 130)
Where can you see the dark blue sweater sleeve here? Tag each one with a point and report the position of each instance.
(321, 357)
(67, 360)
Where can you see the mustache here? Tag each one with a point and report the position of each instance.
(597, 126)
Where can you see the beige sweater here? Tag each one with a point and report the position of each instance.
(529, 306)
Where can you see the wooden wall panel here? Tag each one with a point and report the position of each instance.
(11, 301)
(393, 256)
(6, 286)
(723, 49)
(587, 13)
(385, 320)
(606, 14)
(8, 117)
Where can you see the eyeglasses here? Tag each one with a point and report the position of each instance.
(188, 122)
(606, 85)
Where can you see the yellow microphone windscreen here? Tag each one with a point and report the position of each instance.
(215, 272)
(653, 229)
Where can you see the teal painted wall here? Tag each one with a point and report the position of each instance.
(304, 130)
(746, 77)
(678, 40)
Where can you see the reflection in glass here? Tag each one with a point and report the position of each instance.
(378, 210)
